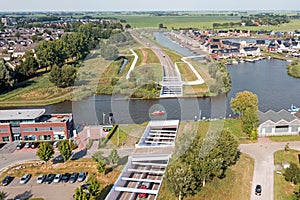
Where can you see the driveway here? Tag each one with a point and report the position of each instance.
(263, 153)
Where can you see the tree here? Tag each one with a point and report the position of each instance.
(109, 52)
(7, 77)
(296, 195)
(292, 174)
(113, 157)
(127, 26)
(64, 76)
(80, 194)
(94, 188)
(28, 67)
(249, 121)
(45, 151)
(160, 26)
(65, 149)
(246, 104)
(101, 165)
(244, 100)
(180, 179)
(2, 195)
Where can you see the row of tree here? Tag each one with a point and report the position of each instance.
(206, 158)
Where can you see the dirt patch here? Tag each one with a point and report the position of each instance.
(145, 56)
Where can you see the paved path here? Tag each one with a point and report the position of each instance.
(133, 64)
(263, 153)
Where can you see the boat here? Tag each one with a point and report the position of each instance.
(158, 112)
(234, 62)
(293, 109)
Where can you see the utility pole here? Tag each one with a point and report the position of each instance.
(118, 137)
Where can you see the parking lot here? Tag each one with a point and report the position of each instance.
(53, 191)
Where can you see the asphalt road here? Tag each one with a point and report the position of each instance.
(165, 60)
(263, 153)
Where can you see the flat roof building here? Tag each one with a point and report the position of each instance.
(34, 125)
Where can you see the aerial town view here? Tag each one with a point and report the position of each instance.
(166, 100)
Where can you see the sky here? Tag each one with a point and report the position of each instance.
(146, 5)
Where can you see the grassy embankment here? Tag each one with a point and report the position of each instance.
(283, 190)
(147, 69)
(294, 69)
(39, 91)
(127, 135)
(285, 138)
(237, 183)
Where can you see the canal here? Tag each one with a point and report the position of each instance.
(267, 78)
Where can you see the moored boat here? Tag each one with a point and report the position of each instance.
(293, 109)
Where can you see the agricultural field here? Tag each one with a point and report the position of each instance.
(142, 21)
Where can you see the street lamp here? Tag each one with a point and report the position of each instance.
(103, 118)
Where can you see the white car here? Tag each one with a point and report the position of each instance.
(40, 178)
(25, 178)
(57, 178)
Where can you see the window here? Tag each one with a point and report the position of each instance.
(28, 129)
(44, 137)
(60, 128)
(3, 130)
(5, 139)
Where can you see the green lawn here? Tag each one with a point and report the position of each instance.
(186, 73)
(235, 186)
(141, 21)
(283, 190)
(235, 126)
(285, 138)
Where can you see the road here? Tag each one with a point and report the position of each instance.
(263, 153)
(166, 62)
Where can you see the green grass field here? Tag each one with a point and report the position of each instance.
(142, 21)
(283, 190)
(235, 186)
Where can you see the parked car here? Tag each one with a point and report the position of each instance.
(81, 176)
(7, 180)
(73, 177)
(34, 145)
(85, 186)
(49, 178)
(142, 195)
(40, 178)
(25, 178)
(258, 190)
(20, 146)
(144, 185)
(57, 178)
(27, 145)
(65, 177)
(55, 144)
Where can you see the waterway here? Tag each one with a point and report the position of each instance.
(267, 78)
